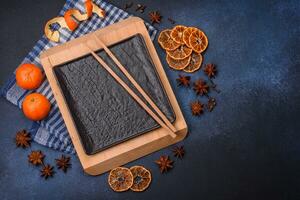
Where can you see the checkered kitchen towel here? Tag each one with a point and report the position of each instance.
(52, 131)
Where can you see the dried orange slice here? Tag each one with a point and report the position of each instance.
(195, 63)
(120, 179)
(166, 42)
(178, 64)
(180, 53)
(177, 34)
(198, 41)
(141, 178)
(186, 35)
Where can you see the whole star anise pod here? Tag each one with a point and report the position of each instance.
(178, 151)
(200, 87)
(155, 17)
(63, 163)
(210, 70)
(23, 139)
(36, 157)
(211, 104)
(183, 80)
(47, 171)
(164, 163)
(197, 108)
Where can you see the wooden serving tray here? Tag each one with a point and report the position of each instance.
(128, 150)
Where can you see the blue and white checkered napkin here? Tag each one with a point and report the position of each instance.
(52, 131)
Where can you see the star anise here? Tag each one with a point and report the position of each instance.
(211, 104)
(197, 108)
(47, 171)
(178, 151)
(155, 17)
(63, 163)
(183, 80)
(200, 87)
(210, 70)
(36, 157)
(164, 163)
(23, 139)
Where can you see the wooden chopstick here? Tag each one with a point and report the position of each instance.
(128, 89)
(136, 85)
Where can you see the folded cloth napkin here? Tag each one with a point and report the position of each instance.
(52, 131)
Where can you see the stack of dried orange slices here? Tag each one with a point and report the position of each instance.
(184, 46)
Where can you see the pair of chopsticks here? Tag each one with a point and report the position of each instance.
(161, 119)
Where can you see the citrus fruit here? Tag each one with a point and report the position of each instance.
(177, 34)
(195, 63)
(186, 35)
(120, 179)
(178, 64)
(181, 53)
(198, 41)
(141, 178)
(29, 76)
(89, 8)
(36, 106)
(70, 21)
(166, 42)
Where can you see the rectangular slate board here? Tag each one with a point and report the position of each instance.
(104, 113)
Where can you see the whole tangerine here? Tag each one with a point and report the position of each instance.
(29, 76)
(36, 106)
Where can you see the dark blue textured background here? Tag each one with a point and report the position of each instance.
(247, 148)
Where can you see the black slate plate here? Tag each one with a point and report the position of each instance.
(104, 113)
